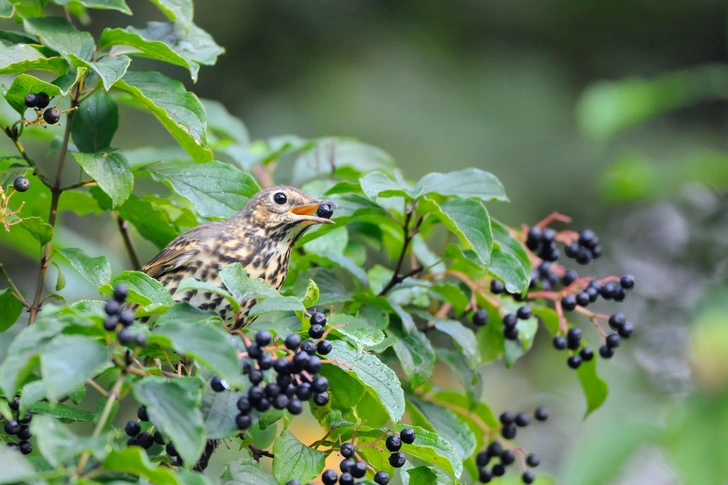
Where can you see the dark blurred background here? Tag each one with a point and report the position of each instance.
(613, 112)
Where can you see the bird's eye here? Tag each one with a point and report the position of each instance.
(280, 198)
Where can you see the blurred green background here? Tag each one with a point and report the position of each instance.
(613, 112)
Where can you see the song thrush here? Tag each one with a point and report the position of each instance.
(260, 237)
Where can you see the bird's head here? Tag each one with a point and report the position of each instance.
(285, 211)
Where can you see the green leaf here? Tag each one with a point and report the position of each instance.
(178, 110)
(8, 176)
(110, 69)
(181, 10)
(134, 460)
(111, 172)
(216, 189)
(243, 287)
(379, 380)
(25, 84)
(187, 46)
(357, 331)
(222, 123)
(183, 311)
(469, 221)
(378, 184)
(18, 58)
(95, 123)
(206, 343)
(470, 183)
(119, 5)
(345, 390)
(200, 286)
(16, 468)
(174, 409)
(509, 261)
(40, 230)
(60, 411)
(277, 303)
(447, 425)
(61, 36)
(96, 271)
(10, 309)
(246, 471)
(67, 361)
(594, 387)
(152, 223)
(219, 410)
(143, 289)
(296, 461)
(82, 203)
(421, 475)
(58, 444)
(463, 338)
(6, 9)
(312, 294)
(417, 357)
(452, 294)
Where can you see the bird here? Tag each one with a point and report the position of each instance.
(260, 236)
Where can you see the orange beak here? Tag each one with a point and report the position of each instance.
(305, 210)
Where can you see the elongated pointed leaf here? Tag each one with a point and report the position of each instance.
(173, 406)
(68, 361)
(152, 223)
(18, 58)
(246, 471)
(143, 289)
(594, 387)
(111, 171)
(181, 10)
(10, 309)
(58, 444)
(61, 36)
(119, 5)
(179, 111)
(465, 184)
(16, 467)
(216, 188)
(110, 69)
(96, 271)
(417, 357)
(134, 460)
(25, 84)
(447, 425)
(509, 261)
(242, 286)
(296, 461)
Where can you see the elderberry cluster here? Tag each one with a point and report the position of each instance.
(510, 422)
(145, 439)
(40, 101)
(510, 320)
(18, 426)
(117, 318)
(296, 374)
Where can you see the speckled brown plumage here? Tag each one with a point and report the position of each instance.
(260, 237)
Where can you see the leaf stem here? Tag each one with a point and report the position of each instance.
(397, 277)
(128, 242)
(113, 396)
(16, 292)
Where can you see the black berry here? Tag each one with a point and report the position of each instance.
(142, 413)
(381, 478)
(494, 449)
(321, 384)
(219, 385)
(254, 351)
(568, 302)
(24, 433)
(482, 459)
(606, 352)
(583, 299)
(499, 470)
(533, 460)
(263, 338)
(573, 338)
(407, 435)
(584, 256)
(509, 432)
(359, 469)
(627, 282)
(510, 320)
(507, 457)
(569, 277)
(145, 440)
(25, 447)
(14, 403)
(110, 323)
(11, 427)
(617, 321)
(21, 184)
(293, 341)
(141, 339)
(613, 340)
(31, 101)
(511, 333)
(541, 414)
(329, 477)
(325, 211)
(309, 346)
(507, 418)
(158, 438)
(522, 420)
(42, 100)
(324, 347)
(132, 428)
(480, 318)
(112, 307)
(126, 336)
(126, 317)
(295, 406)
(626, 330)
(52, 116)
(524, 313)
(397, 459)
(347, 450)
(346, 465)
(394, 443)
(346, 479)
(586, 354)
(318, 318)
(528, 477)
(316, 331)
(574, 361)
(243, 421)
(120, 293)
(485, 475)
(171, 450)
(497, 287)
(321, 399)
(559, 342)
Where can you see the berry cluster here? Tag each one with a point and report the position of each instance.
(351, 469)
(39, 101)
(510, 320)
(19, 427)
(117, 318)
(145, 439)
(296, 373)
(21, 184)
(543, 243)
(510, 423)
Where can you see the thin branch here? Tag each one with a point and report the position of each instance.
(113, 396)
(83, 183)
(96, 386)
(128, 243)
(30, 161)
(56, 192)
(258, 453)
(14, 289)
(397, 277)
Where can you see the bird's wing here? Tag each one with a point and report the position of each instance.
(182, 249)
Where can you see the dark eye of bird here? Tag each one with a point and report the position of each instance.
(280, 198)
